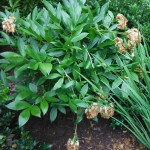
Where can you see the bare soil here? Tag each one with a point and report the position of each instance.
(91, 135)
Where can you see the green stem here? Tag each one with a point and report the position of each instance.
(116, 32)
(69, 78)
(62, 104)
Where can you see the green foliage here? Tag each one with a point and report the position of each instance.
(25, 6)
(53, 47)
(65, 58)
(137, 12)
(134, 97)
(3, 87)
(131, 93)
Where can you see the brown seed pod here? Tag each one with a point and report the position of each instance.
(107, 111)
(119, 43)
(71, 145)
(92, 112)
(8, 24)
(122, 20)
(134, 37)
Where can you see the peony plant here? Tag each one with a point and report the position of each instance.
(56, 50)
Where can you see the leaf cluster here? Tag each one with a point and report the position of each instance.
(64, 57)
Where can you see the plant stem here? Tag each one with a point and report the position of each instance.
(116, 32)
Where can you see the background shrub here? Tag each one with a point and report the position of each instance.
(137, 12)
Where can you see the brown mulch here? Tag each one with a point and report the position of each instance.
(92, 135)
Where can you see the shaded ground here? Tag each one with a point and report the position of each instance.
(92, 135)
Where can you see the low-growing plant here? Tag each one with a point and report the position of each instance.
(54, 48)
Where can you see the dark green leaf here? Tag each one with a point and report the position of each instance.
(63, 97)
(79, 37)
(73, 106)
(69, 84)
(24, 117)
(116, 83)
(53, 114)
(105, 81)
(52, 99)
(41, 81)
(12, 56)
(84, 89)
(18, 105)
(102, 13)
(51, 11)
(58, 84)
(53, 76)
(3, 78)
(19, 70)
(22, 95)
(35, 111)
(21, 46)
(9, 39)
(44, 106)
(62, 109)
(33, 88)
(45, 68)
(79, 119)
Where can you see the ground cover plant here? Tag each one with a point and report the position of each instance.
(52, 53)
(65, 58)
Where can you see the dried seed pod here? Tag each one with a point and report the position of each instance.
(107, 111)
(71, 145)
(92, 112)
(8, 24)
(119, 43)
(122, 20)
(134, 37)
(130, 45)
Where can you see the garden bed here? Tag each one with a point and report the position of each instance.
(76, 56)
(92, 135)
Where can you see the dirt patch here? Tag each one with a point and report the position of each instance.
(92, 135)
